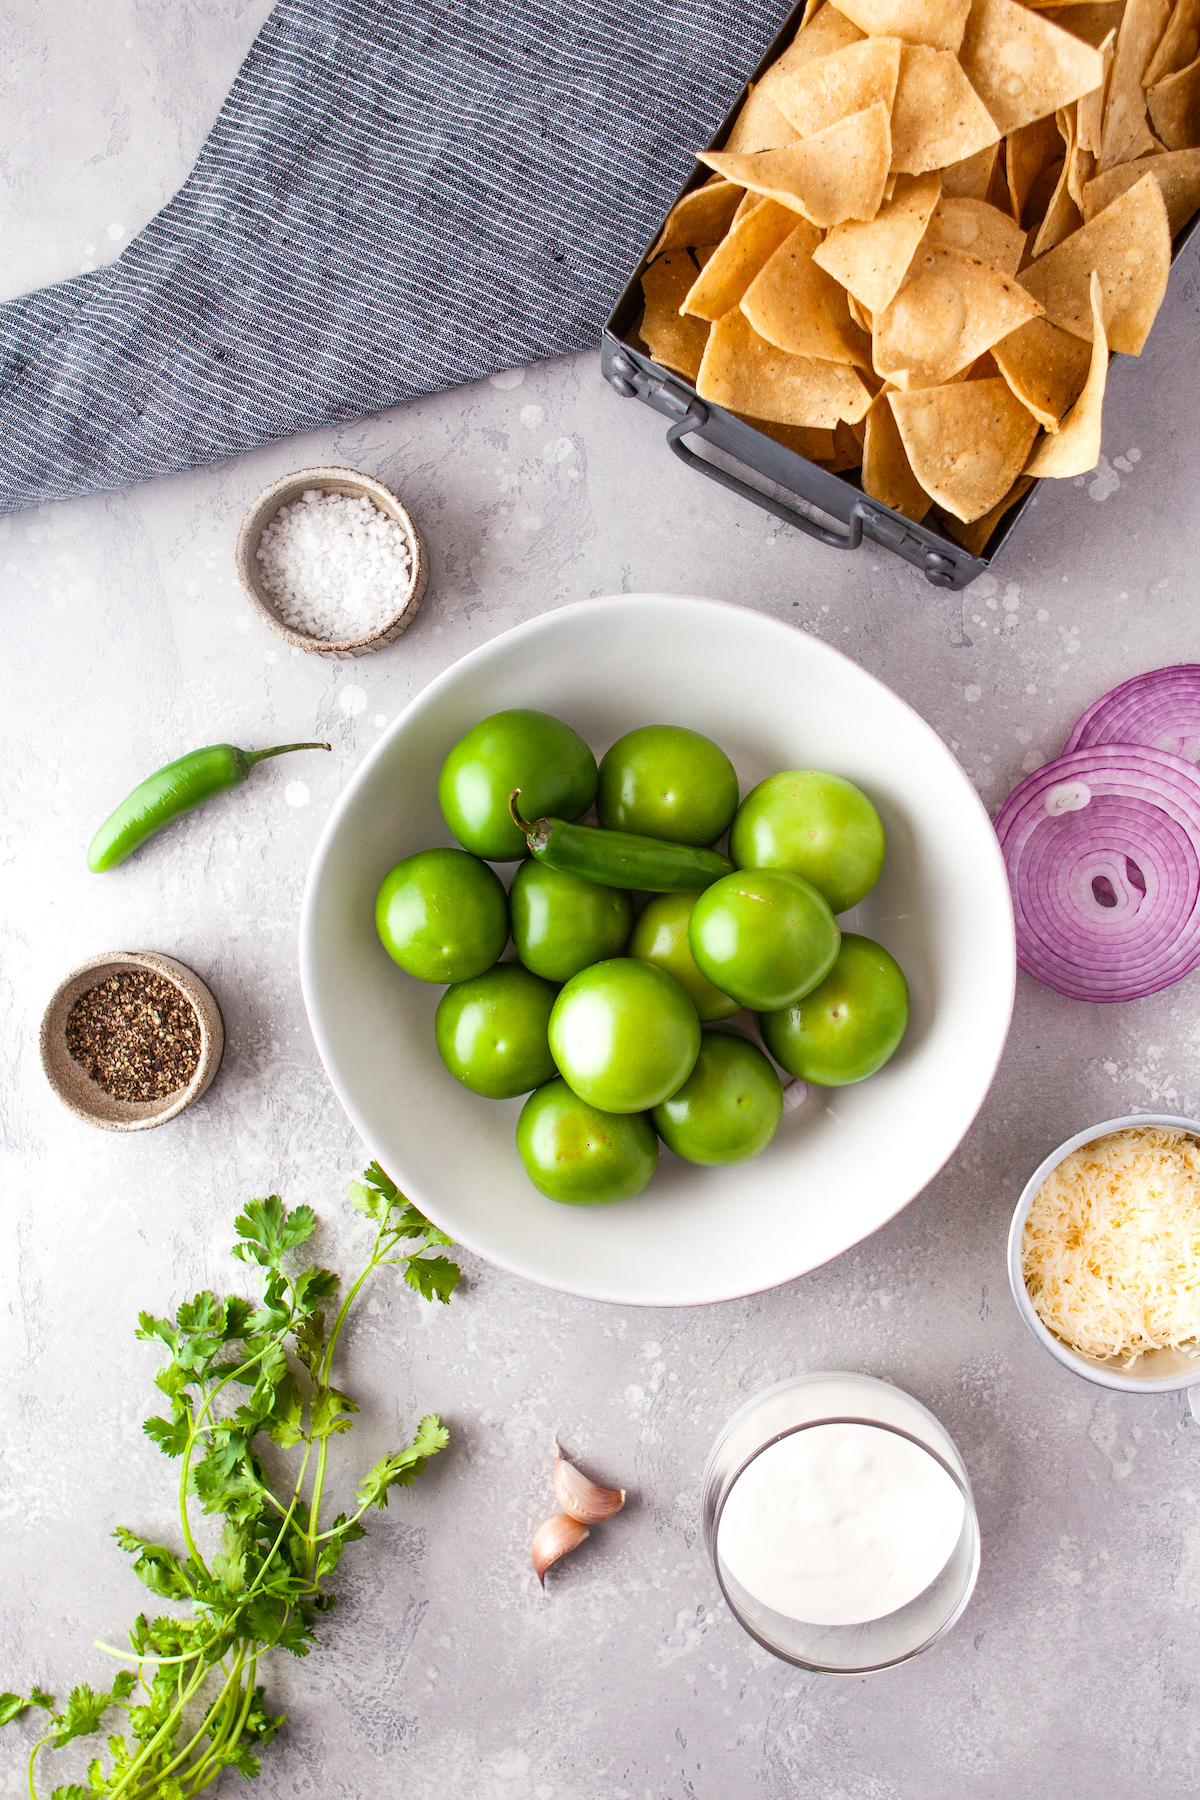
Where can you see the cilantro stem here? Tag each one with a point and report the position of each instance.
(268, 1585)
(145, 1656)
(33, 1759)
(160, 1775)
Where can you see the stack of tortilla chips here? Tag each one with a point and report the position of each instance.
(931, 223)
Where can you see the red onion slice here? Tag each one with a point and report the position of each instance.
(1103, 856)
(1160, 708)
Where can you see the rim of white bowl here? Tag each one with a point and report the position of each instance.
(1085, 1366)
(428, 696)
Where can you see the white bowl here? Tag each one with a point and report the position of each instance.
(843, 1163)
(1158, 1371)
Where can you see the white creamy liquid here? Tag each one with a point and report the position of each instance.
(840, 1524)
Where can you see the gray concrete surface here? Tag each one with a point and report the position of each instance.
(444, 1670)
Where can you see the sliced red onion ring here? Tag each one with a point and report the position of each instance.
(1160, 708)
(1103, 856)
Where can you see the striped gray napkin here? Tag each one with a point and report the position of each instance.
(397, 196)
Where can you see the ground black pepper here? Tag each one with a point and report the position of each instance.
(136, 1035)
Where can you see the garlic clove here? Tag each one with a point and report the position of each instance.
(583, 1499)
(553, 1539)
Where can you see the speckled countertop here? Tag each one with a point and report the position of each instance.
(445, 1672)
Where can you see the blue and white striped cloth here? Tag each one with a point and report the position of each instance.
(397, 196)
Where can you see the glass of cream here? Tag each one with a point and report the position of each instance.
(841, 1524)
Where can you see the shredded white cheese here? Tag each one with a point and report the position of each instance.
(1111, 1251)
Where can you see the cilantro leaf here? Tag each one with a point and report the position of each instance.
(171, 1435)
(331, 1411)
(403, 1466)
(11, 1706)
(314, 1284)
(269, 1230)
(156, 1567)
(84, 1711)
(433, 1277)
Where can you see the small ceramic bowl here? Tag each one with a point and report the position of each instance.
(1159, 1371)
(85, 1097)
(333, 481)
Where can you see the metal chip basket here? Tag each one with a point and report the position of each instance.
(829, 507)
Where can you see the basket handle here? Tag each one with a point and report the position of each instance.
(694, 419)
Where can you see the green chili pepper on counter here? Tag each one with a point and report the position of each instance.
(172, 791)
(619, 859)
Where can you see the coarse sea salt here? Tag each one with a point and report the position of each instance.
(335, 567)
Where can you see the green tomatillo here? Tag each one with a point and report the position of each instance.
(442, 915)
(562, 923)
(624, 1035)
(581, 1155)
(491, 1031)
(550, 763)
(728, 1109)
(764, 937)
(663, 781)
(849, 1025)
(815, 825)
(660, 936)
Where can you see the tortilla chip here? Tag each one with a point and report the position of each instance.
(1090, 107)
(971, 178)
(1129, 244)
(737, 260)
(847, 449)
(1178, 177)
(1081, 167)
(886, 471)
(825, 30)
(1090, 22)
(1021, 65)
(836, 174)
(677, 343)
(812, 442)
(1174, 106)
(759, 126)
(1062, 216)
(860, 314)
(871, 260)
(1075, 448)
(1027, 152)
(744, 373)
(829, 88)
(1045, 367)
(950, 310)
(984, 368)
(966, 443)
(1126, 133)
(701, 217)
(936, 117)
(1180, 43)
(976, 536)
(797, 307)
(938, 23)
(978, 229)
(746, 205)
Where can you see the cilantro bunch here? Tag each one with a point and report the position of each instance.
(191, 1700)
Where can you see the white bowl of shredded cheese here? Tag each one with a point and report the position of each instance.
(1104, 1254)
(332, 562)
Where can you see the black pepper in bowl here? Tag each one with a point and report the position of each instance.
(136, 1035)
